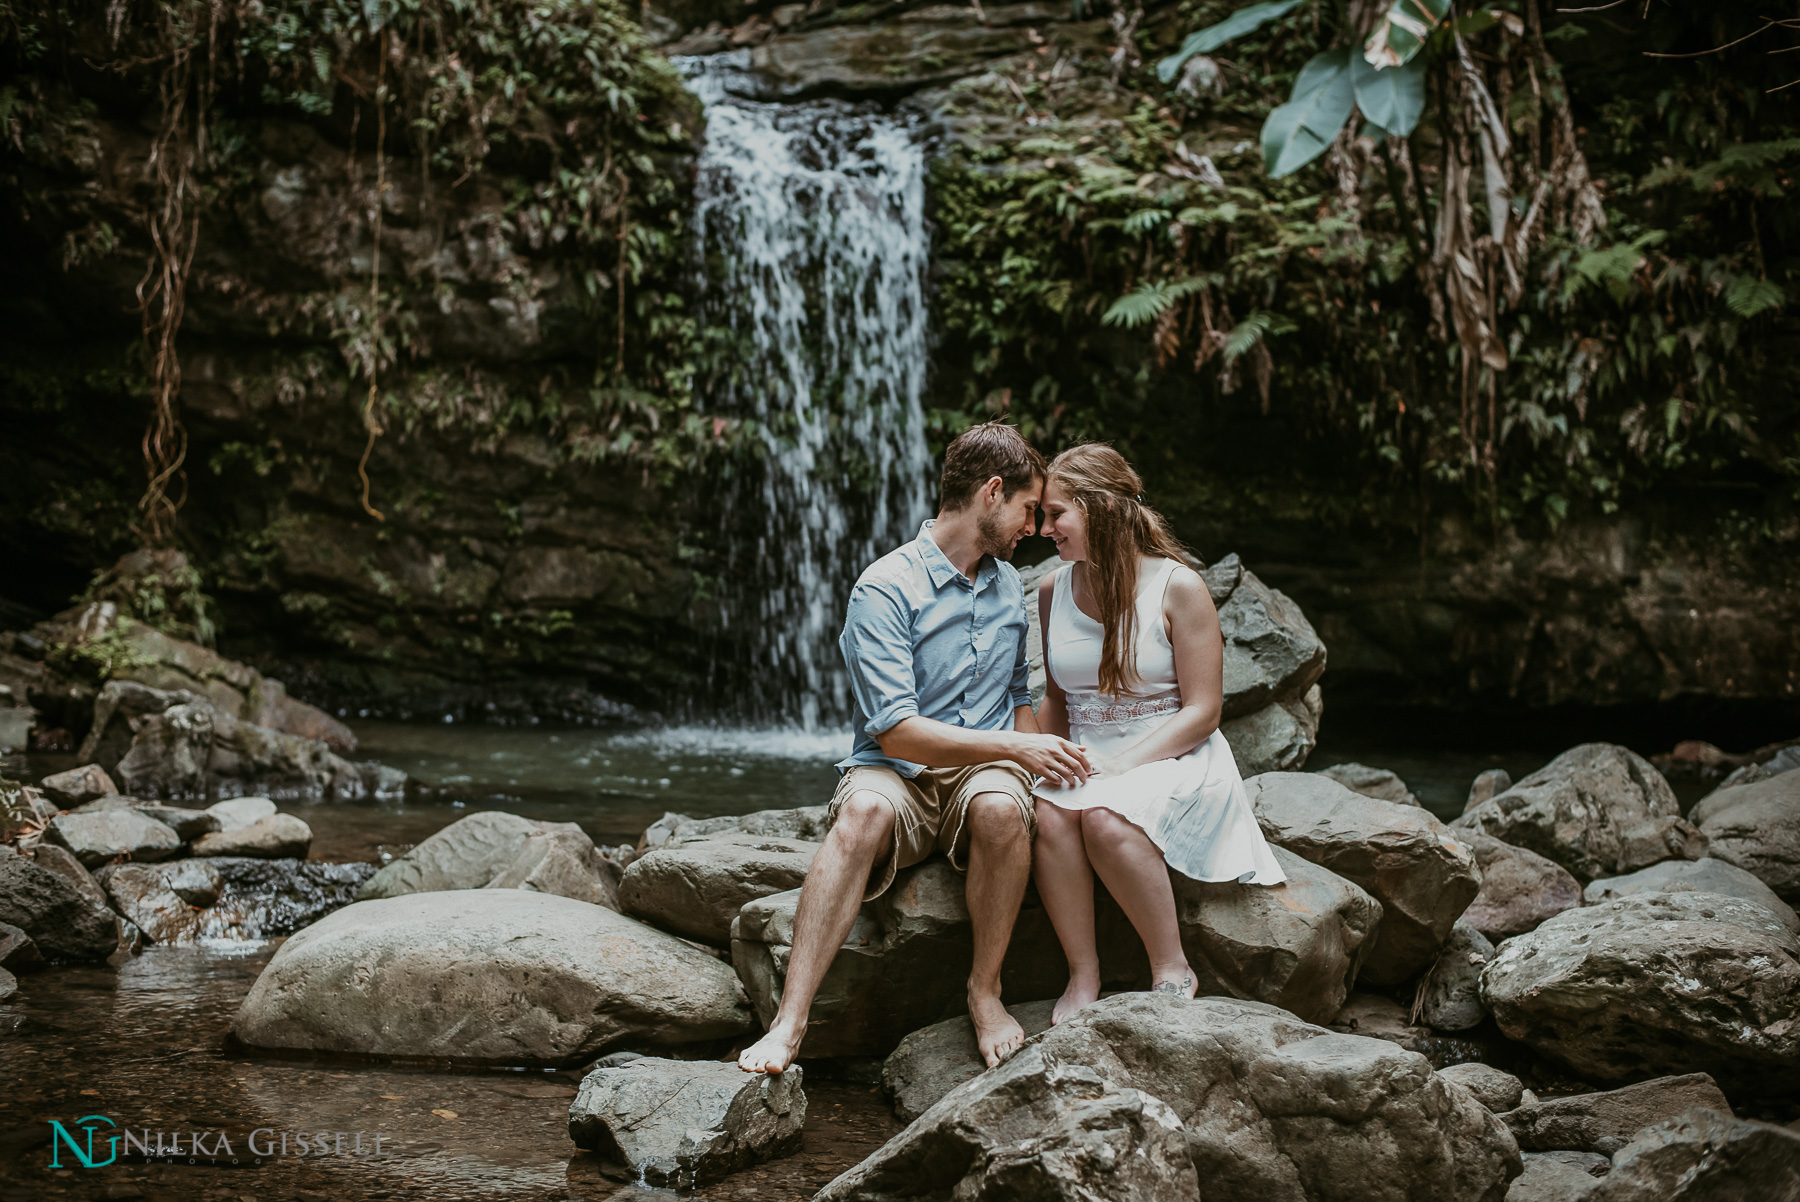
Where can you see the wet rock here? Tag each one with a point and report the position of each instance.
(240, 812)
(683, 1122)
(1702, 1155)
(61, 860)
(1371, 782)
(1597, 809)
(189, 824)
(17, 948)
(1558, 1177)
(934, 1060)
(1377, 1016)
(1486, 784)
(1606, 1122)
(1405, 858)
(277, 837)
(806, 823)
(1497, 1090)
(169, 753)
(1653, 984)
(1277, 737)
(1453, 989)
(506, 976)
(1271, 651)
(695, 886)
(1787, 759)
(1519, 888)
(102, 835)
(47, 906)
(227, 897)
(1705, 875)
(1273, 1108)
(78, 785)
(496, 850)
(1757, 827)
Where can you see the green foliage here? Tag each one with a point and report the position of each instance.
(1205, 41)
(1404, 30)
(1393, 99)
(1301, 130)
(98, 659)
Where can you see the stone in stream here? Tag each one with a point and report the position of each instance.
(1405, 858)
(189, 824)
(17, 948)
(497, 850)
(1787, 759)
(695, 885)
(1757, 828)
(1705, 1155)
(78, 785)
(1705, 875)
(685, 1122)
(98, 836)
(1452, 999)
(1497, 1090)
(49, 907)
(1271, 1109)
(806, 823)
(1656, 983)
(1558, 1177)
(9, 985)
(226, 897)
(934, 1060)
(61, 860)
(1371, 782)
(240, 811)
(1519, 888)
(1597, 809)
(1487, 783)
(496, 976)
(905, 964)
(1605, 1122)
(277, 837)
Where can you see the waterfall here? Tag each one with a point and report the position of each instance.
(809, 224)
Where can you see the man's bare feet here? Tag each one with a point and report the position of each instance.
(1082, 990)
(1175, 979)
(774, 1051)
(997, 1033)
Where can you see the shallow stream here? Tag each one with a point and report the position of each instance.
(144, 1045)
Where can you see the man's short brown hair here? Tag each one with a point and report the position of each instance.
(979, 454)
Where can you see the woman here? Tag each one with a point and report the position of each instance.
(1135, 663)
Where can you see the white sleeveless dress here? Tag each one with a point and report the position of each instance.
(1194, 808)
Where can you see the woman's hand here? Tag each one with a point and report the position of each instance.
(1052, 757)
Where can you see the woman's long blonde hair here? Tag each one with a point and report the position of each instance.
(1120, 530)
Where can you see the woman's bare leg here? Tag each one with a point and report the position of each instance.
(1065, 882)
(1135, 874)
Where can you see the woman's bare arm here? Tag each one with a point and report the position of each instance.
(1053, 712)
(1193, 626)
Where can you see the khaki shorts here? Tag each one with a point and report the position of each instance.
(931, 810)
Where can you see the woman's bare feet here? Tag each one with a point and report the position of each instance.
(997, 1033)
(1175, 979)
(1083, 988)
(774, 1051)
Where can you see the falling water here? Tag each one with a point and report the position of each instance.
(810, 226)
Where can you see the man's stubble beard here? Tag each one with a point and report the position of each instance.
(995, 540)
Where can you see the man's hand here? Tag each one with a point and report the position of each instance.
(1055, 759)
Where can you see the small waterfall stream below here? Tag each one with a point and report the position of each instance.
(809, 229)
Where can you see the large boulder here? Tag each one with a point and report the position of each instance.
(78, 786)
(47, 906)
(1278, 737)
(1274, 1110)
(905, 965)
(1403, 856)
(934, 1060)
(684, 1122)
(1605, 1122)
(1519, 888)
(1757, 827)
(496, 850)
(277, 837)
(62, 861)
(504, 976)
(696, 886)
(1494, 1088)
(99, 836)
(1705, 875)
(1705, 1156)
(1597, 809)
(225, 897)
(1558, 1177)
(1371, 782)
(1452, 990)
(1656, 983)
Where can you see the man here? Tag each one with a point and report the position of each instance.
(946, 741)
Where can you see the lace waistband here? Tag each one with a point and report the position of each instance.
(1099, 709)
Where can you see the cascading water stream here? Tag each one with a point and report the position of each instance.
(809, 221)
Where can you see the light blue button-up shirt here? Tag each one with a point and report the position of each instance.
(921, 639)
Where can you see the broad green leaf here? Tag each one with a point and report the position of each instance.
(1392, 98)
(1402, 31)
(1747, 296)
(1300, 130)
(1239, 23)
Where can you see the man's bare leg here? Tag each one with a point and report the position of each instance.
(862, 836)
(1065, 882)
(999, 865)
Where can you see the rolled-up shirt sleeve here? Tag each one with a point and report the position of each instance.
(878, 649)
(1020, 686)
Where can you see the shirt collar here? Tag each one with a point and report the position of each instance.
(939, 567)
